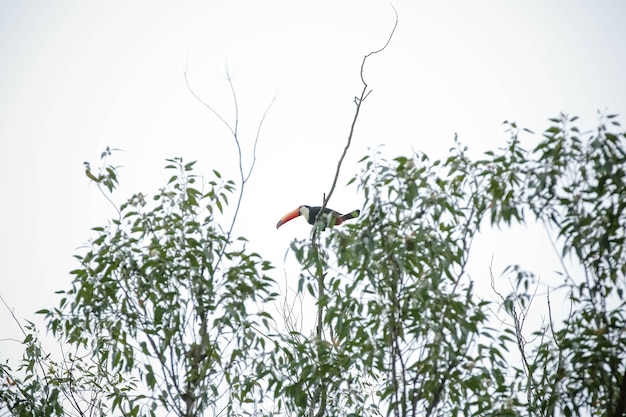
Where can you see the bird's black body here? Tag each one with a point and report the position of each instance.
(329, 217)
(314, 211)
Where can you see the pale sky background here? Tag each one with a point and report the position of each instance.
(78, 76)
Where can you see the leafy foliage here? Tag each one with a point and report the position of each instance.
(574, 184)
(401, 315)
(396, 308)
(165, 298)
(169, 313)
(38, 392)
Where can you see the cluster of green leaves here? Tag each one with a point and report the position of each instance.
(405, 334)
(396, 306)
(574, 183)
(38, 392)
(167, 311)
(165, 298)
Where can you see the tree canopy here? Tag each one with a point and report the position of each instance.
(169, 313)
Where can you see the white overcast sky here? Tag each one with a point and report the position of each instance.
(77, 76)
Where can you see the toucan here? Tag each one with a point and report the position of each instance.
(329, 217)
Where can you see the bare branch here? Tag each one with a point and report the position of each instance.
(207, 105)
(233, 129)
(258, 134)
(518, 325)
(384, 46)
(358, 100)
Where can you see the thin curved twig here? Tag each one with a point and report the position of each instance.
(258, 134)
(244, 177)
(207, 105)
(358, 101)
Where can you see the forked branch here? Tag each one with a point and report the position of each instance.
(320, 395)
(233, 128)
(358, 101)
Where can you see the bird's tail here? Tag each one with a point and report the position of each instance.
(348, 216)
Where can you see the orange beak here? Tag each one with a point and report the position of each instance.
(289, 216)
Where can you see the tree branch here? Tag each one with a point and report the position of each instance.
(321, 395)
(620, 409)
(358, 101)
(233, 129)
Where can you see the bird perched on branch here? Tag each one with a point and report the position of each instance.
(89, 173)
(329, 217)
